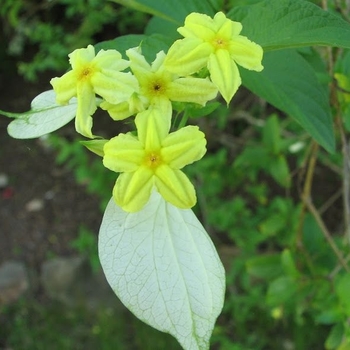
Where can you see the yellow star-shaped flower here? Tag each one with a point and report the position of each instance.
(158, 87)
(214, 43)
(152, 161)
(93, 75)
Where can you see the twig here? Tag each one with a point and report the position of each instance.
(307, 190)
(325, 232)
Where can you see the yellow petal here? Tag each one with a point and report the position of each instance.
(114, 88)
(187, 56)
(225, 27)
(157, 64)
(65, 87)
(224, 74)
(86, 107)
(183, 147)
(246, 53)
(198, 25)
(110, 60)
(152, 127)
(119, 111)
(132, 190)
(175, 187)
(123, 153)
(81, 57)
(190, 89)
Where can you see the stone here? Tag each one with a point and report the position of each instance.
(59, 277)
(35, 205)
(14, 281)
(71, 281)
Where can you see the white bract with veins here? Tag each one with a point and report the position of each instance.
(163, 266)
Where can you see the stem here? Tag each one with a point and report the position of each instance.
(325, 232)
(184, 120)
(306, 194)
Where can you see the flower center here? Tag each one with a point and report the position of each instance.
(219, 43)
(153, 159)
(86, 73)
(157, 87)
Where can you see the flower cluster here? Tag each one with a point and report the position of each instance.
(152, 159)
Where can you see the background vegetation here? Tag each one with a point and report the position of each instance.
(286, 257)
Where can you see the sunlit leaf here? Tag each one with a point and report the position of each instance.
(163, 266)
(44, 117)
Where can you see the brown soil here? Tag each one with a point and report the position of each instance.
(28, 235)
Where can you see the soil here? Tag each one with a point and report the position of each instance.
(41, 206)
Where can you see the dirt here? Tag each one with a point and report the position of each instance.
(41, 206)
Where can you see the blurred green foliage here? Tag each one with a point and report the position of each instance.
(41, 33)
(286, 287)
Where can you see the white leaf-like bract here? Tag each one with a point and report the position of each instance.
(164, 268)
(44, 117)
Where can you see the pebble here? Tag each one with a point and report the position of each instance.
(4, 180)
(13, 281)
(35, 205)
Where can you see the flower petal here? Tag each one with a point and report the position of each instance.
(119, 111)
(132, 190)
(65, 87)
(157, 64)
(138, 63)
(114, 88)
(175, 187)
(187, 56)
(123, 153)
(183, 147)
(224, 74)
(190, 89)
(225, 27)
(111, 60)
(152, 127)
(86, 107)
(246, 53)
(198, 25)
(81, 57)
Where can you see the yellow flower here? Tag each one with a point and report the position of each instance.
(91, 75)
(214, 43)
(158, 87)
(153, 160)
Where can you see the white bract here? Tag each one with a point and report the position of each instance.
(163, 266)
(44, 117)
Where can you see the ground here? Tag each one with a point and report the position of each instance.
(41, 206)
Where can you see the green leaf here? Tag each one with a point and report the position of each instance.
(280, 291)
(44, 117)
(335, 336)
(172, 10)
(164, 268)
(197, 111)
(279, 170)
(290, 84)
(288, 264)
(265, 266)
(271, 134)
(150, 45)
(343, 292)
(273, 225)
(277, 24)
(95, 146)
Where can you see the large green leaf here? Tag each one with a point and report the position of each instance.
(172, 10)
(276, 24)
(290, 84)
(150, 45)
